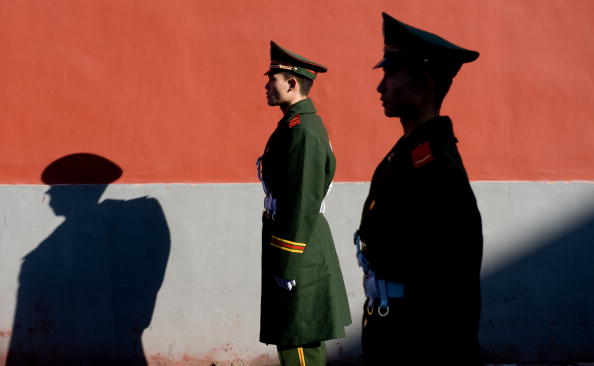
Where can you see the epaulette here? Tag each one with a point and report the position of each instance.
(295, 121)
(421, 154)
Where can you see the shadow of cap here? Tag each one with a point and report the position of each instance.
(81, 168)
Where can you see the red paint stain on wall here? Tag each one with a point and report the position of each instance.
(207, 360)
(173, 91)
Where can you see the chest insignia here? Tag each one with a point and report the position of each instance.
(295, 121)
(422, 155)
(371, 205)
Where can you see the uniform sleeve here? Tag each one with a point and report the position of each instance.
(449, 250)
(298, 201)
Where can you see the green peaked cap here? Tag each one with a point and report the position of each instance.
(404, 42)
(284, 60)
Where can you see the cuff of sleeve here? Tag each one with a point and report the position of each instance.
(288, 255)
(287, 245)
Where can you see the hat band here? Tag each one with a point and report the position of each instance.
(391, 48)
(400, 52)
(291, 68)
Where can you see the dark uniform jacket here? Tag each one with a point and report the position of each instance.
(421, 227)
(297, 167)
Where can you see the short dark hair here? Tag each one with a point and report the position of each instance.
(305, 84)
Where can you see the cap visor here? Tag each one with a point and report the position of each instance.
(383, 62)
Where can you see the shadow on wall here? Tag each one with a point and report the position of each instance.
(540, 308)
(88, 291)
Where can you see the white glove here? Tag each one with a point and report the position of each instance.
(286, 284)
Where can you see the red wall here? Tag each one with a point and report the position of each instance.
(173, 91)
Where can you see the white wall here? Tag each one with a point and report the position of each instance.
(538, 303)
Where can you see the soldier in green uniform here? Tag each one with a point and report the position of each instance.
(420, 238)
(304, 300)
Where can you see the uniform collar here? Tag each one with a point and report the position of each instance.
(436, 128)
(303, 106)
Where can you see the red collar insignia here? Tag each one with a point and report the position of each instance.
(421, 155)
(295, 121)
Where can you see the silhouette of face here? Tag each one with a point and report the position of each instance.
(57, 199)
(66, 200)
(399, 92)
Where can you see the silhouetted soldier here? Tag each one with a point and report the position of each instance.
(420, 233)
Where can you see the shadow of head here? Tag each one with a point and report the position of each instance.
(77, 182)
(88, 291)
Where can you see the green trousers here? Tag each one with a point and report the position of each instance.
(313, 354)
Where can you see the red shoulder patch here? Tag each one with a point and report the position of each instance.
(422, 155)
(295, 121)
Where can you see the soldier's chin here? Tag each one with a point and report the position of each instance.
(390, 113)
(58, 211)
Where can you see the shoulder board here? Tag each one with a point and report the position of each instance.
(294, 121)
(422, 155)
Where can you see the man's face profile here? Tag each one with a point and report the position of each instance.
(277, 89)
(399, 92)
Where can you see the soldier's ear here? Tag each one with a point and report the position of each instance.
(426, 80)
(425, 83)
(292, 83)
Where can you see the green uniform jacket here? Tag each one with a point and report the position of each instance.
(297, 167)
(421, 227)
